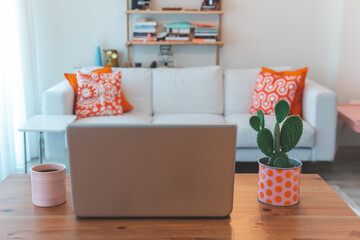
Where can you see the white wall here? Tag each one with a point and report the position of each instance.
(348, 84)
(255, 32)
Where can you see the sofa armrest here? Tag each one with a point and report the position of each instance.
(59, 99)
(320, 111)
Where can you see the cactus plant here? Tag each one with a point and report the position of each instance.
(284, 139)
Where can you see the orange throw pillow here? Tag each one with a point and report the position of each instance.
(272, 86)
(301, 77)
(73, 81)
(107, 69)
(98, 94)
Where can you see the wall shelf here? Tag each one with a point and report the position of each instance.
(218, 43)
(129, 43)
(173, 12)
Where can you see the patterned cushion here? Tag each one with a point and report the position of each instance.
(107, 69)
(300, 75)
(272, 86)
(99, 94)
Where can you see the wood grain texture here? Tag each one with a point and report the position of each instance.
(321, 214)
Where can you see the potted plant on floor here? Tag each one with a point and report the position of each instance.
(279, 175)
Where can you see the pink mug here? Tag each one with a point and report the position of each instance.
(48, 183)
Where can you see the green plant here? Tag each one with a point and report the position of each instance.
(284, 139)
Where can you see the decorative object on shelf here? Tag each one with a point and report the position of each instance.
(153, 64)
(165, 56)
(140, 4)
(138, 64)
(48, 184)
(210, 5)
(111, 57)
(144, 31)
(279, 175)
(161, 36)
(98, 61)
(171, 9)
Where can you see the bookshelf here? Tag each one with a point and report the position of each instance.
(218, 44)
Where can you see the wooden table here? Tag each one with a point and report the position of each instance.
(321, 214)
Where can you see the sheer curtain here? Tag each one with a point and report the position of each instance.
(18, 92)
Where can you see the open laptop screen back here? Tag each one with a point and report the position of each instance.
(151, 170)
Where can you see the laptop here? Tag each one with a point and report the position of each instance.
(151, 170)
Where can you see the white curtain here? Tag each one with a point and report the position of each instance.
(19, 95)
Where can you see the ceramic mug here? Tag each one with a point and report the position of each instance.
(48, 184)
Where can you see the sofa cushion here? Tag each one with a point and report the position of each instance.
(188, 90)
(246, 136)
(125, 118)
(192, 118)
(239, 86)
(136, 84)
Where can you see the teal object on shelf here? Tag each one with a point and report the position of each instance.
(98, 61)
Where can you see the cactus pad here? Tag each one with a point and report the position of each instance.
(282, 109)
(255, 123)
(260, 114)
(291, 132)
(277, 138)
(280, 159)
(265, 141)
(280, 163)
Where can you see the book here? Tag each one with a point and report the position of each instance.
(206, 34)
(144, 27)
(177, 39)
(137, 34)
(205, 37)
(152, 39)
(178, 30)
(145, 23)
(202, 40)
(203, 31)
(145, 30)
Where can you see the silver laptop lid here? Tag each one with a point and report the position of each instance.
(151, 170)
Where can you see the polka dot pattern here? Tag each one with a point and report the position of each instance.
(279, 187)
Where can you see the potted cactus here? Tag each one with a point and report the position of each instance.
(279, 175)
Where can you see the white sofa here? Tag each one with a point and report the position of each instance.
(203, 95)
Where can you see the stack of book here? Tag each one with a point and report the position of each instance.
(205, 34)
(144, 31)
(178, 32)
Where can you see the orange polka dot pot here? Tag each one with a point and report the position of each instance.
(279, 186)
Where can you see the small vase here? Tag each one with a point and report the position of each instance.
(279, 186)
(48, 183)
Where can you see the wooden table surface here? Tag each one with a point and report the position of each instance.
(321, 214)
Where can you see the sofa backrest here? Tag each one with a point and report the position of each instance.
(136, 84)
(239, 85)
(188, 90)
(137, 87)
